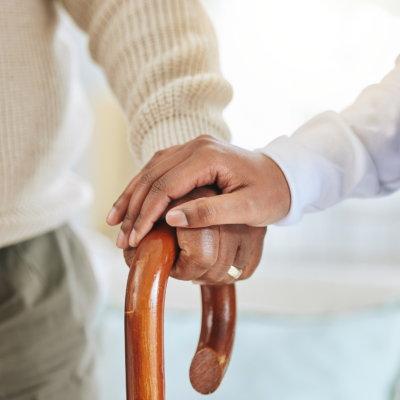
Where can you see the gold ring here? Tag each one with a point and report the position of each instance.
(234, 272)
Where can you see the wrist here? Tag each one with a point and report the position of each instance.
(277, 190)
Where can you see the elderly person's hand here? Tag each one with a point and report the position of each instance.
(207, 253)
(254, 190)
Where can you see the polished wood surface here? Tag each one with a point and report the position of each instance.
(144, 322)
(144, 314)
(216, 338)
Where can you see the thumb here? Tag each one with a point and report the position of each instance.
(232, 208)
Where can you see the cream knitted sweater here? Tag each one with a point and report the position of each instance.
(160, 57)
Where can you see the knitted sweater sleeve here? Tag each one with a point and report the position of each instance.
(161, 61)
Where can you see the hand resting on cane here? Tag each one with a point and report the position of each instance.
(207, 253)
(254, 190)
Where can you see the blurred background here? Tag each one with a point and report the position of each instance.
(320, 319)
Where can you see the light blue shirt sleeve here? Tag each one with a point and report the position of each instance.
(334, 156)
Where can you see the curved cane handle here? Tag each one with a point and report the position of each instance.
(216, 337)
(144, 322)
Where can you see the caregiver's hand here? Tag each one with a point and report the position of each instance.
(254, 190)
(207, 253)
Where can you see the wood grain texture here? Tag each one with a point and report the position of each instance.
(144, 322)
(144, 314)
(216, 338)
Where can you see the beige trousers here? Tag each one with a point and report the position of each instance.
(47, 301)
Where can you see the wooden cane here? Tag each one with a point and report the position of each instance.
(144, 322)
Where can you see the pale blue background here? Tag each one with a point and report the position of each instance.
(353, 357)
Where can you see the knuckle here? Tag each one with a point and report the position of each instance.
(200, 244)
(153, 159)
(218, 272)
(242, 257)
(158, 153)
(214, 277)
(206, 144)
(159, 186)
(149, 165)
(199, 265)
(206, 212)
(204, 139)
(129, 216)
(209, 139)
(147, 178)
(139, 219)
(189, 269)
(203, 260)
(226, 280)
(125, 227)
(225, 259)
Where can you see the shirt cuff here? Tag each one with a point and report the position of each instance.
(307, 173)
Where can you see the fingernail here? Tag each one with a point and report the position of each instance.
(132, 239)
(176, 218)
(120, 240)
(111, 215)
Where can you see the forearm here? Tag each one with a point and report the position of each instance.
(352, 154)
(161, 60)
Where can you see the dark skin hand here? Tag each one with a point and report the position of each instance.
(254, 190)
(207, 253)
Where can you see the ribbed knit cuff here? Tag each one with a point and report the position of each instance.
(177, 130)
(161, 60)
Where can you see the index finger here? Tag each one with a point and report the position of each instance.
(120, 207)
(176, 183)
